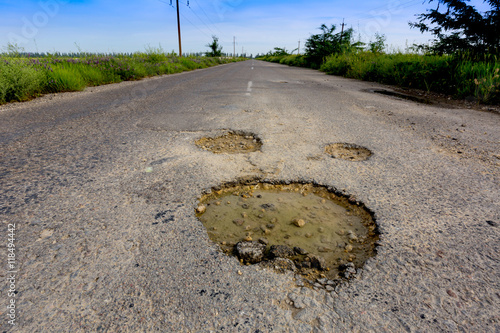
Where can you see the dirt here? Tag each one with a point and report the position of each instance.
(231, 143)
(348, 151)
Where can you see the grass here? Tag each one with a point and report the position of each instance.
(459, 76)
(23, 77)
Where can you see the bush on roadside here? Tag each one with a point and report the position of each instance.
(444, 74)
(19, 82)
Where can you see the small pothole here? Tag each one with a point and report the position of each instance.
(303, 228)
(348, 151)
(232, 142)
(400, 95)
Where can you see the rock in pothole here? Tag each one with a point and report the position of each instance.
(281, 251)
(281, 265)
(250, 252)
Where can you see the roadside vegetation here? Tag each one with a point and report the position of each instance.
(463, 61)
(24, 76)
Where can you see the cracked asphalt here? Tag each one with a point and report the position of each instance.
(102, 185)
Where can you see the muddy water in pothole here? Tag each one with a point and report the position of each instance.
(230, 143)
(306, 218)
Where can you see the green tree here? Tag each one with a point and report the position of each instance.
(378, 45)
(326, 43)
(278, 51)
(461, 27)
(215, 48)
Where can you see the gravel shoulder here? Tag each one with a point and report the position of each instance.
(102, 187)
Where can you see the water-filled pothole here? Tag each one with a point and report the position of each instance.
(304, 228)
(232, 142)
(348, 151)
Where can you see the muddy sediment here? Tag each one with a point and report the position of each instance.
(232, 142)
(302, 228)
(348, 151)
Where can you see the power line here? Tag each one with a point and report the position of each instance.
(184, 17)
(202, 21)
(203, 32)
(209, 20)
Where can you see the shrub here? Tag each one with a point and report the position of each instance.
(19, 81)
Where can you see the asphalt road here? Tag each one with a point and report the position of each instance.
(101, 186)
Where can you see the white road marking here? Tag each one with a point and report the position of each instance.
(249, 88)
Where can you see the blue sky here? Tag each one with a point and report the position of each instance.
(259, 26)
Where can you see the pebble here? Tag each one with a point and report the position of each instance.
(324, 249)
(318, 262)
(299, 223)
(322, 280)
(282, 265)
(299, 250)
(201, 209)
(263, 241)
(238, 222)
(280, 251)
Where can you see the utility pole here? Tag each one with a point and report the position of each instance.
(179, 29)
(234, 46)
(342, 32)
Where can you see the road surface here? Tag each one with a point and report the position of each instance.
(101, 186)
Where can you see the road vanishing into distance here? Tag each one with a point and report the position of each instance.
(102, 185)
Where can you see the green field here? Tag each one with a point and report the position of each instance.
(23, 77)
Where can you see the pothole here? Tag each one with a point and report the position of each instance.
(348, 151)
(232, 142)
(400, 95)
(304, 228)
